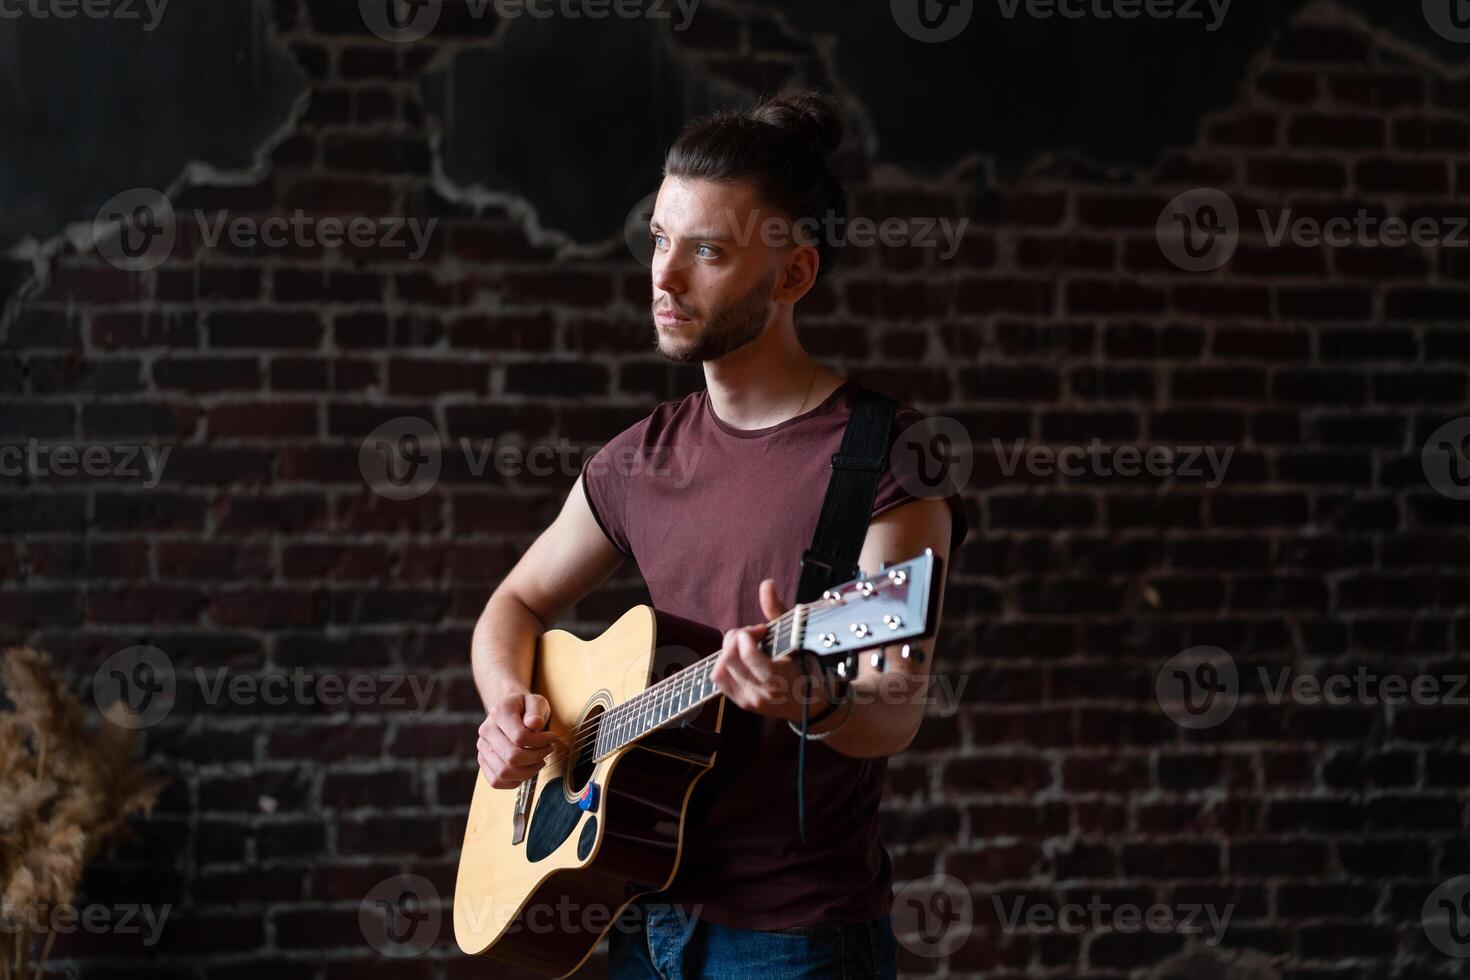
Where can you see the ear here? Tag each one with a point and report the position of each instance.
(798, 274)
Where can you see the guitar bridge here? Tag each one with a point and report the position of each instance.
(520, 818)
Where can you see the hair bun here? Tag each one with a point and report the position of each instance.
(813, 117)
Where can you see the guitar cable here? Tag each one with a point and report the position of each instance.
(806, 722)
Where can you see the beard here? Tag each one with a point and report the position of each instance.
(728, 328)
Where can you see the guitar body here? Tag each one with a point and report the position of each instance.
(541, 879)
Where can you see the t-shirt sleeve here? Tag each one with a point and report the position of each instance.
(893, 491)
(606, 485)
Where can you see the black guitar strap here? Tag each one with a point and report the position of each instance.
(832, 558)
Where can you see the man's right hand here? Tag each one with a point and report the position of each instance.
(512, 745)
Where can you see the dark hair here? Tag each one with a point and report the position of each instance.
(780, 146)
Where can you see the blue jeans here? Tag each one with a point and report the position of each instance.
(654, 940)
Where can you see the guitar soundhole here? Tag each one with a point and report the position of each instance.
(580, 771)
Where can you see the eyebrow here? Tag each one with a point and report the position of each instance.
(704, 236)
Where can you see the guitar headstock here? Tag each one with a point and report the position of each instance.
(898, 603)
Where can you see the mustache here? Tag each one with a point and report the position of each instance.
(673, 307)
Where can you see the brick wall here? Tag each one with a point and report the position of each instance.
(1058, 778)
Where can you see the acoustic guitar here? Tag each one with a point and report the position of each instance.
(548, 866)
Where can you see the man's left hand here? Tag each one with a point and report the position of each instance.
(755, 682)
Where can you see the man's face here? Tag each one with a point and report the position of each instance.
(713, 273)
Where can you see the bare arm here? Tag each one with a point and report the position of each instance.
(888, 705)
(568, 560)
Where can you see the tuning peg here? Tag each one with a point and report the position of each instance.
(879, 661)
(912, 653)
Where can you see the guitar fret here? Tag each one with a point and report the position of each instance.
(651, 708)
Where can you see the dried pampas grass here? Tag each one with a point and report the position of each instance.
(65, 795)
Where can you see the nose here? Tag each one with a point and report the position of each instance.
(668, 275)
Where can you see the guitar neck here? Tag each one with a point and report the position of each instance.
(687, 691)
(846, 620)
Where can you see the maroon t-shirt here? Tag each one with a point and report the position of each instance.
(707, 511)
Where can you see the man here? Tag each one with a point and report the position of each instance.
(717, 532)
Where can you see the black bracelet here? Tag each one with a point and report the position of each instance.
(831, 705)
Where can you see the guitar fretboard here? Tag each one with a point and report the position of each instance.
(687, 691)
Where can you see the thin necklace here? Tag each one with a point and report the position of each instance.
(808, 394)
(804, 398)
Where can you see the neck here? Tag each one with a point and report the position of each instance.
(765, 381)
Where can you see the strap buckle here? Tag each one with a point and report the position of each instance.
(872, 464)
(811, 558)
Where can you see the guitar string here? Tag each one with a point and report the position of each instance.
(670, 688)
(590, 727)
